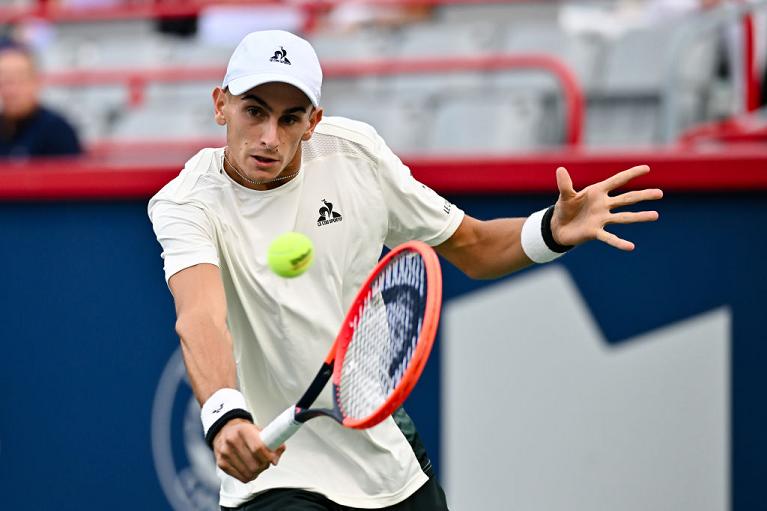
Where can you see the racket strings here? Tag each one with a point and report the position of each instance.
(386, 331)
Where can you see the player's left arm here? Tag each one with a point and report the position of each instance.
(489, 249)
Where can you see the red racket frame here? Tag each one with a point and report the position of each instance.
(423, 345)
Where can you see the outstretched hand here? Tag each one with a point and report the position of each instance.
(582, 216)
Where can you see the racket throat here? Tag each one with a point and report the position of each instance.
(311, 394)
(304, 415)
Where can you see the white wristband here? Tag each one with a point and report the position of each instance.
(533, 243)
(221, 402)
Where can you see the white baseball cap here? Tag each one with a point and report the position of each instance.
(274, 56)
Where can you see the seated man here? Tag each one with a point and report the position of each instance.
(26, 127)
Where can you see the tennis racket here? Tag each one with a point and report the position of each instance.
(382, 347)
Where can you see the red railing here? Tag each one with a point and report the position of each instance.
(136, 80)
(751, 77)
(743, 129)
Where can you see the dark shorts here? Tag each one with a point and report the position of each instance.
(429, 497)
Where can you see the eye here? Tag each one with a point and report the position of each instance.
(290, 120)
(254, 111)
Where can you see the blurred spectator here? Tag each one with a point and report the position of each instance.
(26, 127)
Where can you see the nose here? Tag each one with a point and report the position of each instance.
(269, 137)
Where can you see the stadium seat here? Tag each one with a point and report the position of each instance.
(636, 72)
(504, 14)
(402, 122)
(449, 39)
(579, 53)
(487, 123)
(621, 122)
(169, 122)
(361, 44)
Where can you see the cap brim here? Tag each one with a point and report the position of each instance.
(245, 83)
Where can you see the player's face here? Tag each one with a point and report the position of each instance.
(264, 129)
(19, 84)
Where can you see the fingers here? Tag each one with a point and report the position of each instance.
(631, 198)
(276, 454)
(624, 218)
(621, 178)
(260, 451)
(633, 217)
(565, 184)
(614, 241)
(257, 456)
(241, 453)
(582, 214)
(232, 461)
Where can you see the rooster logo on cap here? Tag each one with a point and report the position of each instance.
(280, 56)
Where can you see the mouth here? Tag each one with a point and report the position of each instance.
(264, 161)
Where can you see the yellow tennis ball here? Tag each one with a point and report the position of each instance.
(290, 254)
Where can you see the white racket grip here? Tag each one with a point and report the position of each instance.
(280, 429)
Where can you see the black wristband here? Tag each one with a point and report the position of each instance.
(235, 413)
(548, 236)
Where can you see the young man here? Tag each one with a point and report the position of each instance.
(285, 168)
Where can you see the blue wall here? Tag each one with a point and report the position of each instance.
(87, 328)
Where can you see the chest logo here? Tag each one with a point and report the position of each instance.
(327, 215)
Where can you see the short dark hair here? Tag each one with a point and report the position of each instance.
(9, 44)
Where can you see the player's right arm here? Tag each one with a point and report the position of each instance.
(206, 343)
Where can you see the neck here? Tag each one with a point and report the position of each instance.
(287, 174)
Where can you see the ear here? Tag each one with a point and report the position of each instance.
(219, 101)
(314, 120)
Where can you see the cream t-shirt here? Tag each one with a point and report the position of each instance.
(351, 197)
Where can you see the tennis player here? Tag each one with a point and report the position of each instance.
(252, 340)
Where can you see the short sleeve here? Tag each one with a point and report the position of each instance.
(415, 211)
(185, 234)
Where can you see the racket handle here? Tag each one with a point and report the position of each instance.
(280, 429)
